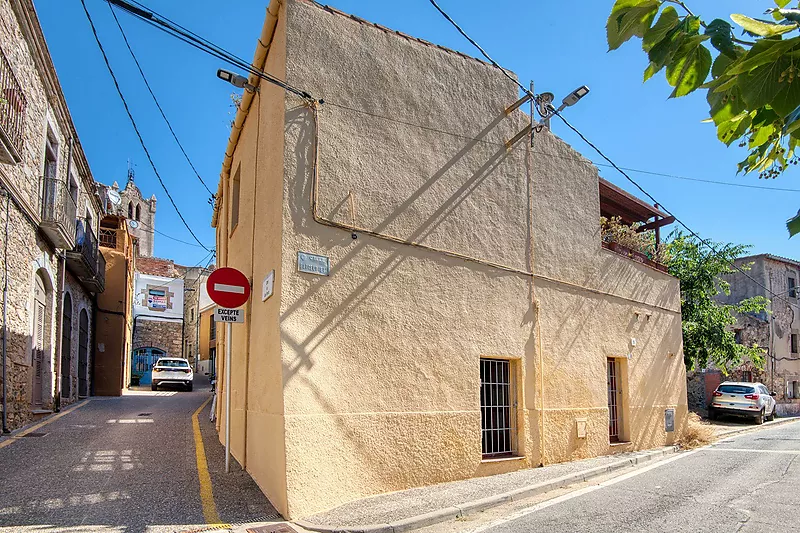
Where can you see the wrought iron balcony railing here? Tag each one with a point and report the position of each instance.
(58, 213)
(12, 114)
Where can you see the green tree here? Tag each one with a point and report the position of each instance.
(752, 85)
(708, 336)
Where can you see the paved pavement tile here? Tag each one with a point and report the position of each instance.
(125, 465)
(399, 505)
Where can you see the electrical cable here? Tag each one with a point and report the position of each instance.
(135, 127)
(164, 24)
(242, 64)
(482, 51)
(155, 100)
(154, 230)
(596, 149)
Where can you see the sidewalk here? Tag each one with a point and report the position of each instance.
(410, 509)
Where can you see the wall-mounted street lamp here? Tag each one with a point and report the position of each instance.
(544, 103)
(236, 80)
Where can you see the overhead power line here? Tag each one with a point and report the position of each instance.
(158, 105)
(705, 242)
(162, 23)
(714, 182)
(135, 127)
(481, 50)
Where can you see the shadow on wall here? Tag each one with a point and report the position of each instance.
(300, 118)
(299, 122)
(19, 376)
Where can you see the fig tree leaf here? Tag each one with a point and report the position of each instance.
(762, 27)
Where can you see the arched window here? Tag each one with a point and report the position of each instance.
(138, 211)
(130, 210)
(66, 349)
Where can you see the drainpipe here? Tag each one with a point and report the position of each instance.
(5, 313)
(62, 273)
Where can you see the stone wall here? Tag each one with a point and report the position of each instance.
(29, 254)
(162, 334)
(81, 302)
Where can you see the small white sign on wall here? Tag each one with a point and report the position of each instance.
(223, 314)
(313, 264)
(267, 286)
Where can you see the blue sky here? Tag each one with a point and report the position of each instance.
(559, 48)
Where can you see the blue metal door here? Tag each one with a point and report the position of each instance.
(143, 361)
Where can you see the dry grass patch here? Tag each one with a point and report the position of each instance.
(697, 433)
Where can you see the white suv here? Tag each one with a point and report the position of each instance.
(172, 370)
(743, 399)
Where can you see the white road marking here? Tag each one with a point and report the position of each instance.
(752, 450)
(580, 492)
(221, 287)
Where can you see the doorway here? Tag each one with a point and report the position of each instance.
(83, 354)
(66, 349)
(37, 347)
(143, 361)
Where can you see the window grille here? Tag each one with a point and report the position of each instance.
(613, 406)
(12, 110)
(498, 417)
(108, 238)
(212, 332)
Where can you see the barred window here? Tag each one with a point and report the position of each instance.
(498, 412)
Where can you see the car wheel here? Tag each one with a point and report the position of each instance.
(771, 416)
(760, 417)
(189, 386)
(154, 386)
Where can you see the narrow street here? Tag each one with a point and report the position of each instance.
(746, 483)
(124, 464)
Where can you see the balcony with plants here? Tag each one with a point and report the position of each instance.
(632, 228)
(627, 240)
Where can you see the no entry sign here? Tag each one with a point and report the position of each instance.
(228, 287)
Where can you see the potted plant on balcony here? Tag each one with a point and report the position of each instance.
(626, 239)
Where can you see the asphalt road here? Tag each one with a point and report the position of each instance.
(123, 464)
(746, 483)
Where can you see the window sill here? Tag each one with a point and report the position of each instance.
(502, 459)
(620, 444)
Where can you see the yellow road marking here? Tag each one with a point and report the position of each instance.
(206, 491)
(34, 427)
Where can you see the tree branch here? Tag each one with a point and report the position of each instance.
(686, 8)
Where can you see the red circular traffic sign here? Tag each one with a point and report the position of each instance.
(228, 287)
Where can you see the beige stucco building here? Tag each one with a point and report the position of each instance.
(469, 321)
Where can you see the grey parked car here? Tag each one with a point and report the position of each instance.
(752, 400)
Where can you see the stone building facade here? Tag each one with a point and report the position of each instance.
(196, 298)
(778, 331)
(140, 212)
(49, 216)
(158, 314)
